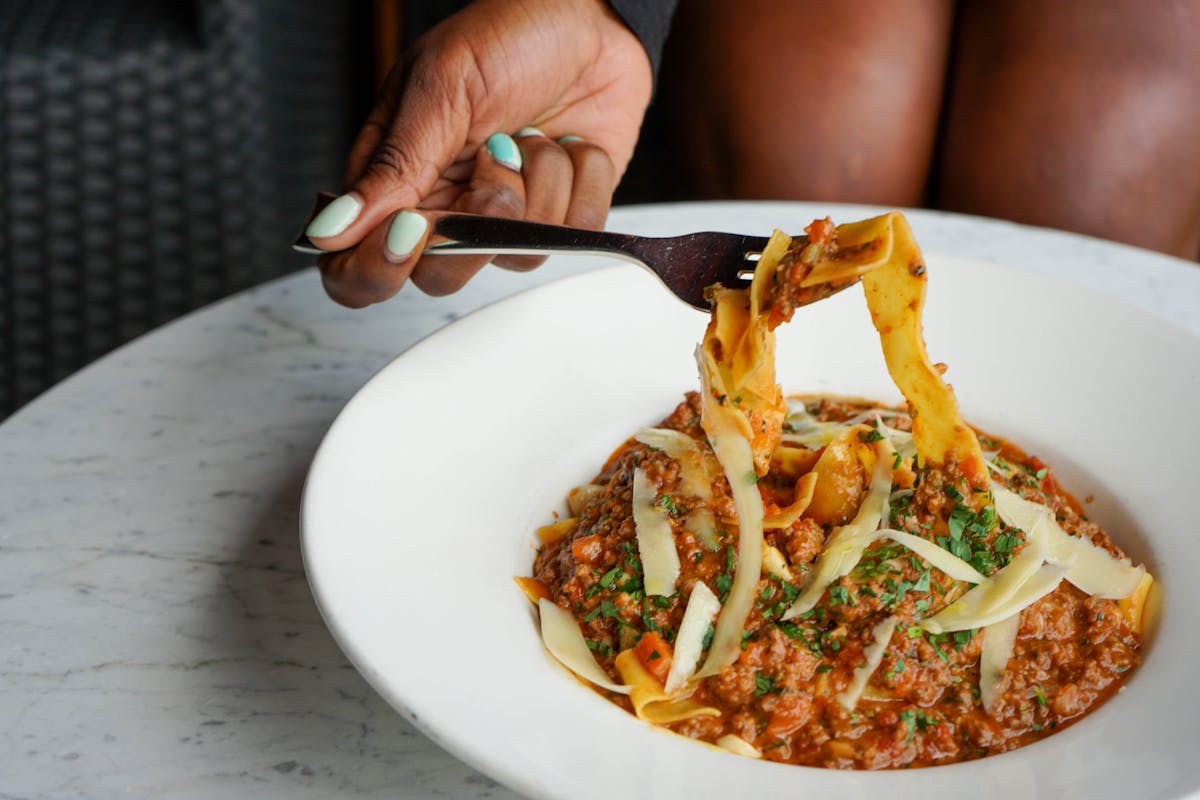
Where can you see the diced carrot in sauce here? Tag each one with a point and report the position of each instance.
(655, 654)
(587, 548)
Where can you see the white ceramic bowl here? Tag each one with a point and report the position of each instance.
(422, 500)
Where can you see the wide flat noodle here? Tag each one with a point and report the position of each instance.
(650, 702)
(562, 637)
(739, 352)
(896, 297)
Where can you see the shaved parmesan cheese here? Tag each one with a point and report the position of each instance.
(994, 593)
(562, 637)
(845, 545)
(738, 746)
(1040, 584)
(1093, 569)
(656, 543)
(804, 429)
(947, 562)
(872, 656)
(999, 638)
(650, 702)
(733, 452)
(774, 563)
(702, 606)
(693, 478)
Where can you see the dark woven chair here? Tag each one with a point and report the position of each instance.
(156, 156)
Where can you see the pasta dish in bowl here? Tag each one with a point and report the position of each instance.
(826, 581)
(423, 501)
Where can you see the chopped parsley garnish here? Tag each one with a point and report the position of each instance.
(673, 508)
(839, 595)
(610, 578)
(765, 684)
(870, 436)
(603, 648)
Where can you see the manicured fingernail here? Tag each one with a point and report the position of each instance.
(335, 217)
(528, 131)
(404, 234)
(569, 139)
(505, 150)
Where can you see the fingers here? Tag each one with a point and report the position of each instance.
(497, 189)
(595, 179)
(379, 266)
(530, 177)
(548, 175)
(398, 157)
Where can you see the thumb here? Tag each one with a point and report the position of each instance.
(398, 156)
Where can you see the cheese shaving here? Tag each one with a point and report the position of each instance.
(845, 545)
(738, 746)
(562, 637)
(733, 453)
(656, 543)
(999, 638)
(693, 478)
(996, 592)
(702, 606)
(1041, 583)
(1093, 569)
(774, 563)
(872, 657)
(947, 562)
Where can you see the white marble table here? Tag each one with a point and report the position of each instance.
(157, 636)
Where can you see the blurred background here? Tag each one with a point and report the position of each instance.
(157, 155)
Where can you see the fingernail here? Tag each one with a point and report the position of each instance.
(569, 139)
(528, 131)
(505, 150)
(406, 230)
(335, 217)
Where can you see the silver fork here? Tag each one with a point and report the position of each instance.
(686, 264)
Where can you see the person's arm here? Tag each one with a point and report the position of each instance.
(650, 21)
(450, 131)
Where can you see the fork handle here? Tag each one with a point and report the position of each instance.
(453, 232)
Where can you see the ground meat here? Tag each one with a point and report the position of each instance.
(922, 705)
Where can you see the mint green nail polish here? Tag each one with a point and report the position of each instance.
(569, 139)
(505, 150)
(528, 131)
(405, 232)
(335, 217)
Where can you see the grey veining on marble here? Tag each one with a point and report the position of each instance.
(157, 636)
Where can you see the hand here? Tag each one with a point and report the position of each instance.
(439, 137)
